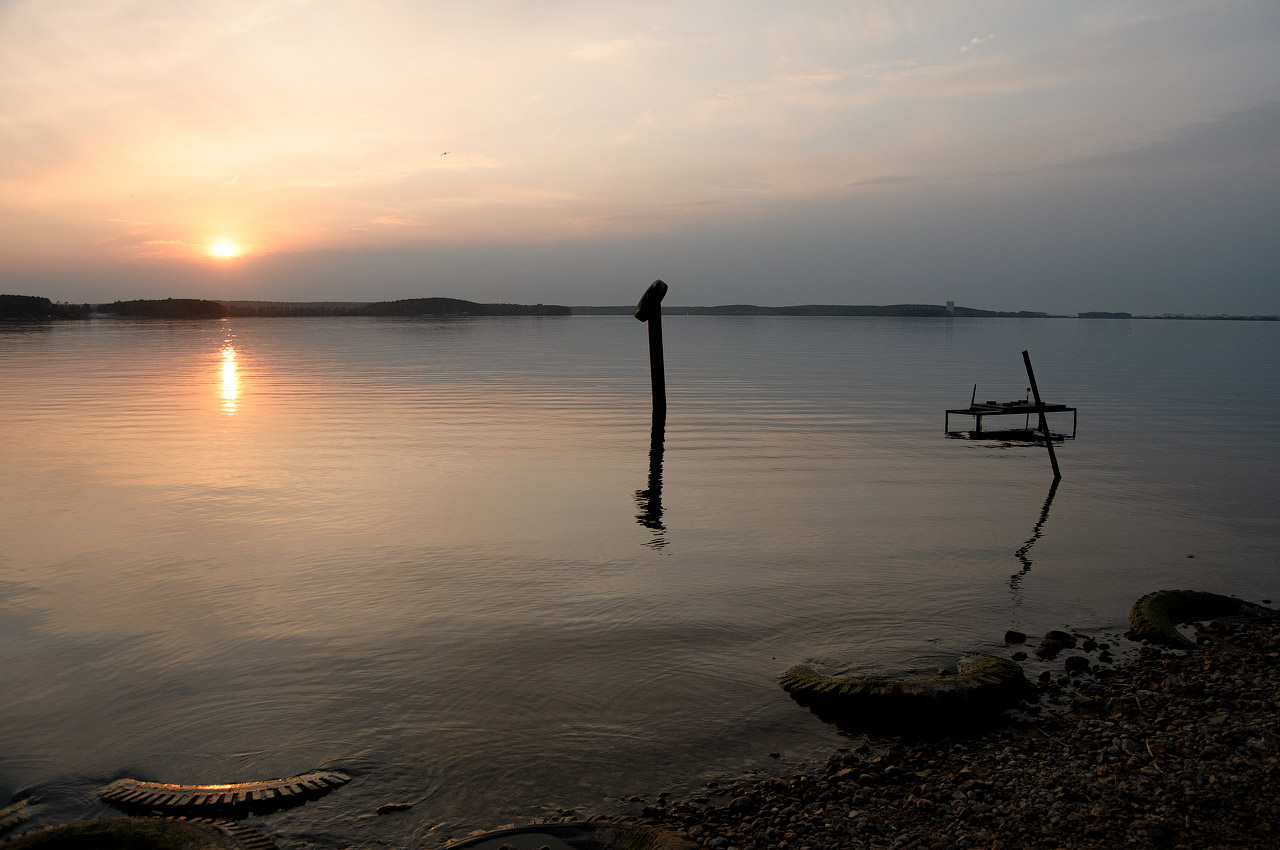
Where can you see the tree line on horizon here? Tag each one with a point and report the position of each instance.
(36, 307)
(32, 307)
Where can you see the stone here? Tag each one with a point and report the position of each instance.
(1076, 664)
(1014, 637)
(1065, 638)
(1049, 649)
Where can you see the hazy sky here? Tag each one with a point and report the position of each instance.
(1009, 155)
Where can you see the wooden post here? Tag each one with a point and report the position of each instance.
(1044, 423)
(650, 310)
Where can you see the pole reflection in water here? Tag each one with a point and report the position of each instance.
(650, 499)
(1036, 533)
(230, 379)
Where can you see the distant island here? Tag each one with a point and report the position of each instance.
(404, 307)
(31, 307)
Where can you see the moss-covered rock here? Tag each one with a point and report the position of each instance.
(983, 686)
(126, 834)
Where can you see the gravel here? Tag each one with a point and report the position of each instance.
(1171, 749)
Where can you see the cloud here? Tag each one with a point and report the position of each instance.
(975, 43)
(972, 76)
(816, 77)
(1244, 137)
(891, 179)
(160, 249)
(601, 51)
(398, 221)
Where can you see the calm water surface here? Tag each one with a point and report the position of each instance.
(421, 551)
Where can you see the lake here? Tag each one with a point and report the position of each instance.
(431, 552)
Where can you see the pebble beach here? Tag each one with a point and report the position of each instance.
(1167, 749)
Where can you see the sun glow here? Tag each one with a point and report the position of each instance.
(224, 250)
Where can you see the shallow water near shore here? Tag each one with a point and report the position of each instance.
(422, 551)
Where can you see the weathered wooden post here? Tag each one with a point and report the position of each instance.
(650, 499)
(1044, 423)
(650, 310)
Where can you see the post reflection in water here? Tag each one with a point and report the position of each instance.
(650, 499)
(1036, 533)
(230, 379)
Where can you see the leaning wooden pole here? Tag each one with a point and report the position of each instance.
(650, 310)
(1044, 423)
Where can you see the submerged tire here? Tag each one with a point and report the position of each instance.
(12, 815)
(984, 685)
(233, 799)
(1155, 617)
(597, 834)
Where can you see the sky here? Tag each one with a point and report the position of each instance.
(1064, 157)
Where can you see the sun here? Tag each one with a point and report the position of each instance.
(224, 250)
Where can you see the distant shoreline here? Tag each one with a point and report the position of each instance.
(928, 311)
(30, 307)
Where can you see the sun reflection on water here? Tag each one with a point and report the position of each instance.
(230, 379)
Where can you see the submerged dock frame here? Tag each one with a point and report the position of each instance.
(1008, 408)
(1023, 406)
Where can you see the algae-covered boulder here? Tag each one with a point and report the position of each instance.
(983, 686)
(129, 834)
(1155, 617)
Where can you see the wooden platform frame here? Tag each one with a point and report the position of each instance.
(1008, 408)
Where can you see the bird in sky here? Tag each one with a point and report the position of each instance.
(446, 153)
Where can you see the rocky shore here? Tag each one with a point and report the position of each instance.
(1172, 749)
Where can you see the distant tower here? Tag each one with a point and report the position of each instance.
(951, 307)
